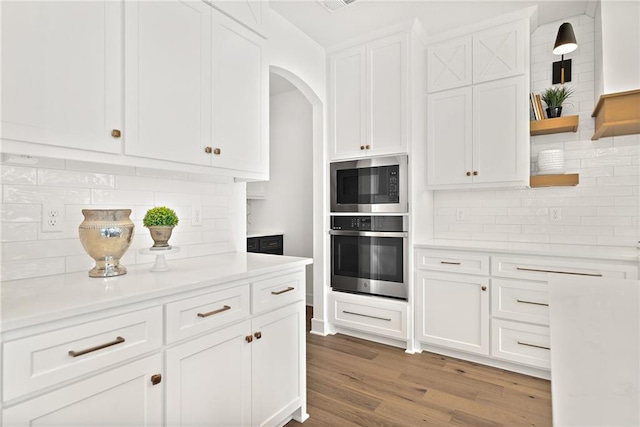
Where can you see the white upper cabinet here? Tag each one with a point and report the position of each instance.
(168, 80)
(240, 136)
(477, 135)
(253, 14)
(500, 52)
(369, 97)
(449, 64)
(61, 73)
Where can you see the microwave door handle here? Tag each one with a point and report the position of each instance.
(401, 234)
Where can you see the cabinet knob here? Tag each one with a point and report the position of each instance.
(208, 150)
(258, 335)
(468, 173)
(156, 379)
(484, 288)
(116, 133)
(362, 147)
(248, 338)
(217, 151)
(367, 146)
(475, 173)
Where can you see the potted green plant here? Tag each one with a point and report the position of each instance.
(554, 97)
(160, 222)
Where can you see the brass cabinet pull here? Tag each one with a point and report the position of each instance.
(217, 151)
(362, 147)
(449, 263)
(484, 288)
(118, 340)
(156, 379)
(533, 345)
(258, 335)
(559, 272)
(116, 133)
(366, 315)
(282, 291)
(367, 146)
(475, 173)
(532, 302)
(468, 173)
(248, 338)
(208, 150)
(211, 313)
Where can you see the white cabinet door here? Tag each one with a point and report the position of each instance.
(449, 137)
(500, 134)
(453, 311)
(61, 73)
(500, 52)
(387, 95)
(168, 80)
(449, 64)
(347, 108)
(123, 396)
(240, 96)
(278, 364)
(208, 380)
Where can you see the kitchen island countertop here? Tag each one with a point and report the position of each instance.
(30, 301)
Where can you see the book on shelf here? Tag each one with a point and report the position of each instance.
(536, 106)
(539, 101)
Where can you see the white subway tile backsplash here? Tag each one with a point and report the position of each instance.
(122, 197)
(66, 178)
(16, 251)
(15, 212)
(32, 268)
(44, 195)
(18, 175)
(18, 231)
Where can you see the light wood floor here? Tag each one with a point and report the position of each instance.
(356, 382)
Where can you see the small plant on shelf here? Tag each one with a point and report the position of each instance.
(160, 222)
(554, 97)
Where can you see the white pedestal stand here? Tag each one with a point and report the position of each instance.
(161, 263)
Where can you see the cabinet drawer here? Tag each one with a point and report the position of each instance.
(277, 292)
(534, 268)
(456, 262)
(523, 301)
(201, 313)
(46, 359)
(271, 244)
(385, 318)
(521, 343)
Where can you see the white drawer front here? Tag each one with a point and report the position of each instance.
(384, 318)
(521, 343)
(201, 313)
(523, 301)
(46, 359)
(538, 268)
(455, 262)
(277, 292)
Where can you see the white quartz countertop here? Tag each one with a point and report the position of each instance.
(595, 351)
(573, 251)
(29, 301)
(262, 233)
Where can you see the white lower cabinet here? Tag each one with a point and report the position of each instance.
(224, 364)
(123, 396)
(454, 311)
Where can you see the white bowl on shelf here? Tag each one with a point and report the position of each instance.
(550, 162)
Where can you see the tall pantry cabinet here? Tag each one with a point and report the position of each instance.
(477, 110)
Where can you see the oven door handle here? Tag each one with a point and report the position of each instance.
(402, 234)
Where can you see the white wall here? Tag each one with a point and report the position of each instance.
(604, 209)
(28, 252)
(288, 203)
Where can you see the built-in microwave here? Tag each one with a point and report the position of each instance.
(377, 184)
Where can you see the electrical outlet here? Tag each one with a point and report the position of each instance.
(459, 214)
(555, 214)
(52, 218)
(196, 216)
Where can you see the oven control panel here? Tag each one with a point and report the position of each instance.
(368, 223)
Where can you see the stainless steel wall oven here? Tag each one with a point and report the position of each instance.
(369, 255)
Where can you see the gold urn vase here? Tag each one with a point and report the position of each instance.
(106, 235)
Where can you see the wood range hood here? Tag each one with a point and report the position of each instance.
(617, 114)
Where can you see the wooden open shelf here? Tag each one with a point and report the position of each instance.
(569, 179)
(617, 114)
(556, 125)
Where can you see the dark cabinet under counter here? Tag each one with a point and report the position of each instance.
(266, 244)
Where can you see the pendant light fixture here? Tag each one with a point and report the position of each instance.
(565, 43)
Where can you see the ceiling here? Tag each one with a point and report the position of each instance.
(365, 16)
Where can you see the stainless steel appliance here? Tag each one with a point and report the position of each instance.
(376, 184)
(369, 254)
